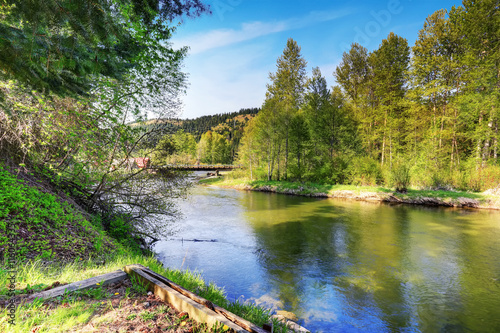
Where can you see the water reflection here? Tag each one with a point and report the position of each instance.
(345, 265)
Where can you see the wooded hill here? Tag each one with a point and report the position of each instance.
(207, 139)
(229, 125)
(221, 123)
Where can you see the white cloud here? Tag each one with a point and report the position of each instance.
(222, 37)
(234, 73)
(226, 81)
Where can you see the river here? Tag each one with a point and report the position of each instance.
(344, 266)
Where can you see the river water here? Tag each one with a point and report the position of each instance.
(345, 266)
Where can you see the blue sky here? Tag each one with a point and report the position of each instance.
(233, 50)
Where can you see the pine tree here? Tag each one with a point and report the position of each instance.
(390, 64)
(286, 90)
(60, 46)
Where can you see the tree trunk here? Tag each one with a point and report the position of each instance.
(383, 140)
(250, 161)
(454, 142)
(270, 161)
(298, 163)
(286, 155)
(278, 158)
(478, 147)
(495, 141)
(487, 139)
(390, 150)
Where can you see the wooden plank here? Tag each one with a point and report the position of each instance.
(197, 311)
(291, 324)
(103, 280)
(229, 315)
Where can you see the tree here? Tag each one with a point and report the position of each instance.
(389, 65)
(478, 25)
(61, 46)
(82, 106)
(213, 148)
(434, 81)
(353, 72)
(355, 76)
(286, 91)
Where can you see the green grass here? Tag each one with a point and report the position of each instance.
(412, 193)
(61, 319)
(65, 246)
(308, 188)
(36, 274)
(51, 228)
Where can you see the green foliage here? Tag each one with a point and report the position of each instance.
(164, 150)
(213, 148)
(53, 229)
(400, 177)
(365, 170)
(63, 46)
(479, 179)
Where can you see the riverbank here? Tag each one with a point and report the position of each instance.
(486, 200)
(46, 240)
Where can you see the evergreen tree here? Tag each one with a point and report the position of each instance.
(287, 89)
(389, 65)
(61, 46)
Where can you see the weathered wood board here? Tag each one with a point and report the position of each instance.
(291, 324)
(103, 280)
(229, 315)
(180, 302)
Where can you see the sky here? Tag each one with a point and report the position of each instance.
(233, 50)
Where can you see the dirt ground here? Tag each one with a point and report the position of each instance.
(123, 310)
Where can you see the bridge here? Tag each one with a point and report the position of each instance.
(197, 167)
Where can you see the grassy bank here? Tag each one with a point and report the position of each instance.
(46, 240)
(72, 313)
(368, 193)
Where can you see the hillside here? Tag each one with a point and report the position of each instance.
(38, 220)
(222, 123)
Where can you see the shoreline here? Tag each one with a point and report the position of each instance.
(364, 193)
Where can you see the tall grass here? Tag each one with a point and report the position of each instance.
(35, 275)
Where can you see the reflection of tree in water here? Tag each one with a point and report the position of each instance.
(376, 266)
(330, 245)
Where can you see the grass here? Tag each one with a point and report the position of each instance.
(308, 188)
(60, 244)
(36, 276)
(51, 228)
(413, 193)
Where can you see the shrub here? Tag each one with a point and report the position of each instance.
(400, 177)
(364, 170)
(485, 178)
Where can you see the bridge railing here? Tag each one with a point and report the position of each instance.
(198, 166)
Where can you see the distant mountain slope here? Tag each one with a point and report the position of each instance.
(224, 123)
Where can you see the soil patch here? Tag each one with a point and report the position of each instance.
(119, 308)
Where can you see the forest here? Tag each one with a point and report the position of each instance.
(208, 139)
(426, 115)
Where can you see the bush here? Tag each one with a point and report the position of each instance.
(483, 179)
(364, 170)
(401, 177)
